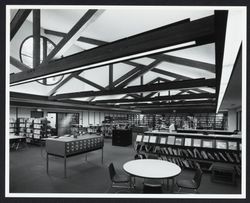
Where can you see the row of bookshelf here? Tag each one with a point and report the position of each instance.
(189, 142)
(195, 153)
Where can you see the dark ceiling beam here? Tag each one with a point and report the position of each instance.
(74, 30)
(21, 66)
(171, 104)
(80, 39)
(194, 109)
(141, 88)
(18, 20)
(111, 74)
(170, 74)
(220, 35)
(36, 37)
(96, 41)
(43, 102)
(89, 82)
(125, 76)
(161, 98)
(72, 75)
(186, 62)
(144, 69)
(151, 40)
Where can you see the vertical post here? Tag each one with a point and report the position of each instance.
(47, 163)
(141, 78)
(36, 37)
(65, 173)
(102, 154)
(111, 76)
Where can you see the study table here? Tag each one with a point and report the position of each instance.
(152, 169)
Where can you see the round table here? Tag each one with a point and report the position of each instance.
(152, 169)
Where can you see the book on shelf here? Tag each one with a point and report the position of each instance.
(145, 138)
(175, 152)
(207, 143)
(216, 156)
(210, 156)
(240, 146)
(197, 153)
(142, 148)
(222, 156)
(138, 138)
(163, 140)
(190, 164)
(178, 141)
(152, 139)
(196, 142)
(221, 144)
(236, 157)
(170, 150)
(204, 155)
(157, 149)
(188, 142)
(229, 157)
(232, 145)
(165, 150)
(185, 153)
(190, 153)
(185, 163)
(148, 148)
(171, 140)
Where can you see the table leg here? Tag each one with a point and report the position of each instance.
(65, 174)
(173, 184)
(47, 163)
(102, 155)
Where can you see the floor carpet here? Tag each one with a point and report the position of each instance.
(28, 173)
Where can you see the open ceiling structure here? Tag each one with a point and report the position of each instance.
(122, 60)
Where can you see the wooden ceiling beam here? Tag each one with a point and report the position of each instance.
(72, 35)
(141, 88)
(161, 98)
(89, 82)
(186, 62)
(36, 37)
(18, 20)
(144, 70)
(80, 39)
(54, 90)
(21, 66)
(103, 55)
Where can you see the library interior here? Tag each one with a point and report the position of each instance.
(126, 100)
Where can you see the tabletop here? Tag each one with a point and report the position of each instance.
(13, 137)
(152, 168)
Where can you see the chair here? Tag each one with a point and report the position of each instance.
(191, 184)
(118, 179)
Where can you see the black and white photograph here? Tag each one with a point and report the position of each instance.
(111, 101)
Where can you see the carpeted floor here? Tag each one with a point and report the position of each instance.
(28, 173)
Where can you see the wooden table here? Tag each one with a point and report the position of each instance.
(152, 169)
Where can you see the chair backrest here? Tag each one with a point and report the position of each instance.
(197, 177)
(152, 156)
(111, 171)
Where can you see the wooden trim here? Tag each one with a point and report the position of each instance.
(155, 39)
(21, 66)
(141, 88)
(18, 20)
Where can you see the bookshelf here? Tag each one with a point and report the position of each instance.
(189, 150)
(21, 126)
(12, 126)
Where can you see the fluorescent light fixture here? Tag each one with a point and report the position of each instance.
(111, 61)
